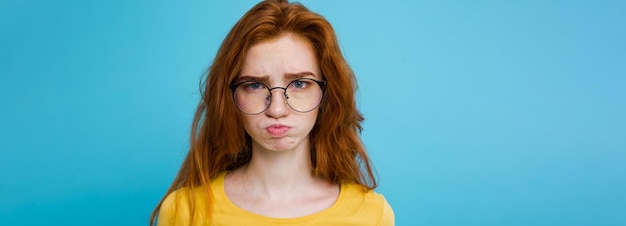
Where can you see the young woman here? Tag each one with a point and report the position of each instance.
(275, 139)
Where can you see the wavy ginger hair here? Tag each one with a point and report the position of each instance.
(218, 140)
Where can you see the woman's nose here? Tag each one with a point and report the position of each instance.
(278, 105)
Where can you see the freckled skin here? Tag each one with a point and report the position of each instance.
(286, 54)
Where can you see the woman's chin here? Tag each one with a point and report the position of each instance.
(279, 144)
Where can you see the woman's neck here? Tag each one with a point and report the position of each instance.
(276, 173)
(280, 184)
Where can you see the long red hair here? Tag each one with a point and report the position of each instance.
(218, 140)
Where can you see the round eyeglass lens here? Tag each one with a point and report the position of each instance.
(303, 95)
(252, 97)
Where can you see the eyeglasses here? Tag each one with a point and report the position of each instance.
(302, 95)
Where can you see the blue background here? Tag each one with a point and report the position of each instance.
(477, 112)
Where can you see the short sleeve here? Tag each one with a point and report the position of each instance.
(174, 210)
(387, 218)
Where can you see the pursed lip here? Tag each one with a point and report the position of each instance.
(277, 130)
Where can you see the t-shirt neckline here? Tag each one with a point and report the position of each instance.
(221, 192)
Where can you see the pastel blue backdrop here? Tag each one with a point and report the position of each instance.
(477, 112)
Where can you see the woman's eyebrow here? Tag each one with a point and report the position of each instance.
(253, 78)
(299, 75)
(266, 78)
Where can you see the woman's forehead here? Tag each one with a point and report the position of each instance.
(288, 53)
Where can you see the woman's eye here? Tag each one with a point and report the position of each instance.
(254, 85)
(299, 84)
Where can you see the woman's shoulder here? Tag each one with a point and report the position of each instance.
(176, 205)
(367, 202)
(175, 209)
(357, 193)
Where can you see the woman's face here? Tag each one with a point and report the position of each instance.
(276, 63)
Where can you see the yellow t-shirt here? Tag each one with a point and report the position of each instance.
(353, 207)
